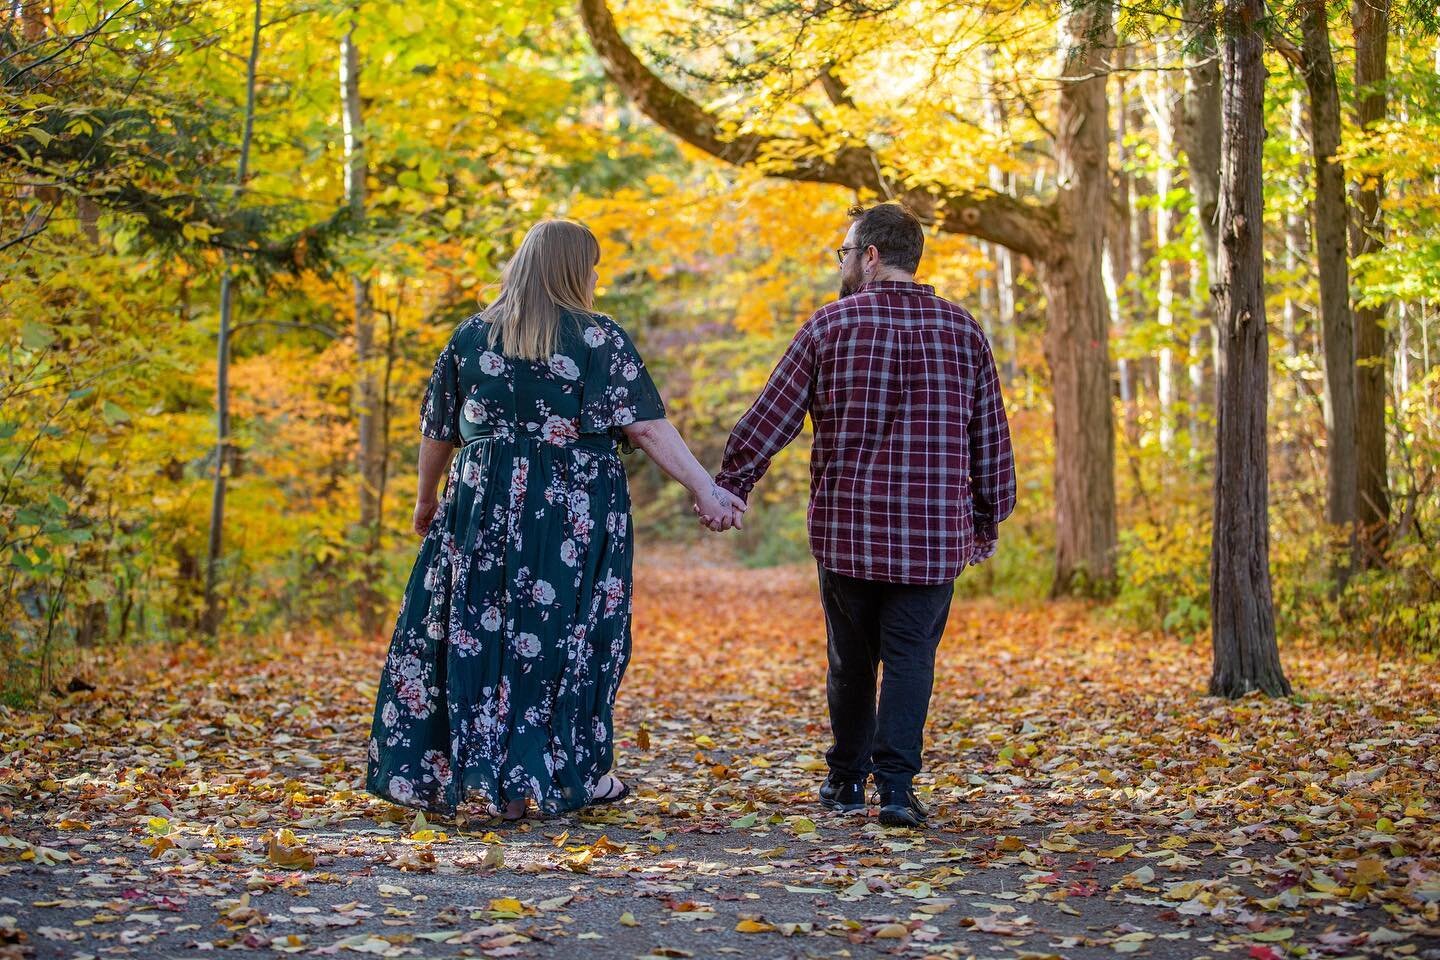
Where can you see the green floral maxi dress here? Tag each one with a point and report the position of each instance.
(514, 630)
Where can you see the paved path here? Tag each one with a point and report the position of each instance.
(1088, 801)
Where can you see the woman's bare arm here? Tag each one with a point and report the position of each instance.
(662, 443)
(433, 465)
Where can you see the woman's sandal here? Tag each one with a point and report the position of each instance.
(611, 795)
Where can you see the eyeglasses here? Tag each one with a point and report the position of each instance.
(840, 254)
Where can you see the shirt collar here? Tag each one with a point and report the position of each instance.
(898, 286)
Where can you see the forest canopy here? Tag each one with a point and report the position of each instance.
(236, 235)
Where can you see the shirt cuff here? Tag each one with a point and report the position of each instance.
(735, 485)
(985, 530)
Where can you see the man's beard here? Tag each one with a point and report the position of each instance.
(849, 284)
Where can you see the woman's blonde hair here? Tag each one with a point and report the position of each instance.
(548, 274)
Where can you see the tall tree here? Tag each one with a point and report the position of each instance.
(1337, 323)
(1297, 229)
(1160, 104)
(1001, 181)
(1119, 240)
(1199, 136)
(1371, 23)
(1242, 617)
(1200, 130)
(368, 393)
(1059, 237)
(223, 455)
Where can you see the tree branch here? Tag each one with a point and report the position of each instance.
(1025, 228)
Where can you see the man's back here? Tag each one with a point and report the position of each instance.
(911, 461)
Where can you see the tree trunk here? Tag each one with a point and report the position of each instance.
(1061, 237)
(1077, 336)
(1002, 182)
(1199, 134)
(1144, 372)
(1167, 387)
(1119, 259)
(366, 389)
(1242, 617)
(223, 455)
(1337, 325)
(1372, 501)
(1198, 396)
(1297, 232)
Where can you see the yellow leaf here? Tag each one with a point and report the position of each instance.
(753, 926)
(507, 905)
(1370, 871)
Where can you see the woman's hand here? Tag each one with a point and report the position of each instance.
(718, 508)
(425, 508)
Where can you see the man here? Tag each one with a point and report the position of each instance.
(911, 471)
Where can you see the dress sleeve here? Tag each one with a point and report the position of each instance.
(618, 388)
(440, 410)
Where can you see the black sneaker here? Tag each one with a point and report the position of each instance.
(842, 796)
(899, 807)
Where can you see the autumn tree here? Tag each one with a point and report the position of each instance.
(1242, 614)
(1370, 20)
(369, 402)
(1059, 234)
(222, 352)
(1329, 215)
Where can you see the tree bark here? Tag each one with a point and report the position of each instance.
(1119, 258)
(1002, 182)
(1199, 132)
(1245, 654)
(1060, 237)
(1337, 325)
(1372, 501)
(1077, 335)
(1297, 231)
(1199, 135)
(367, 390)
(1144, 371)
(223, 450)
(1162, 117)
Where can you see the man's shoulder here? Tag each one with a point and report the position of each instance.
(876, 306)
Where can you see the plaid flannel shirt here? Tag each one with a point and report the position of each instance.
(911, 468)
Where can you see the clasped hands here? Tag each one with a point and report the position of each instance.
(719, 509)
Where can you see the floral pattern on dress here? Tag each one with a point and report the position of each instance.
(514, 630)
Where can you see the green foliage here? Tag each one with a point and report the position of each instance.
(121, 213)
(1164, 572)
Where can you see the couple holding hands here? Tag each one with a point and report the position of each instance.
(514, 630)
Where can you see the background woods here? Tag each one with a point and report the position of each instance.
(234, 236)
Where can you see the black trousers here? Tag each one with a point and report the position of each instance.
(870, 623)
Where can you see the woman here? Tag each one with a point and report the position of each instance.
(514, 630)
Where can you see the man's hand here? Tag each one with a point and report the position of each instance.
(982, 550)
(425, 508)
(719, 509)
